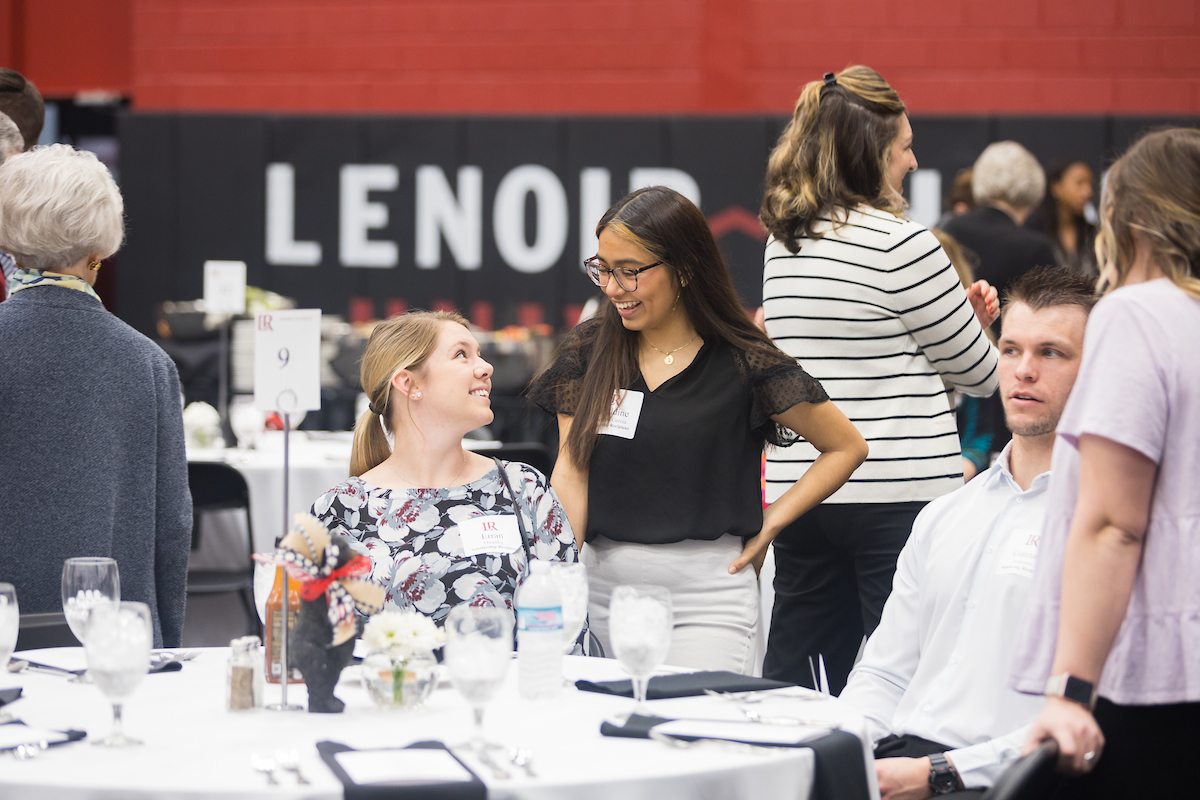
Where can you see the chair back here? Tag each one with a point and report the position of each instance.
(45, 630)
(1032, 777)
(221, 564)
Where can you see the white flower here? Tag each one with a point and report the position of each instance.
(402, 634)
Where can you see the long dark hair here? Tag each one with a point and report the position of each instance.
(1044, 218)
(667, 225)
(833, 155)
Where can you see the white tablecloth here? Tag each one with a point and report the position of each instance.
(315, 465)
(194, 748)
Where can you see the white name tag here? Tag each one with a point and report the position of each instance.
(497, 535)
(626, 409)
(1019, 552)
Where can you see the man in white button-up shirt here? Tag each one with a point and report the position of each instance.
(933, 677)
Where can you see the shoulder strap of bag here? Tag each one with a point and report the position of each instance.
(516, 506)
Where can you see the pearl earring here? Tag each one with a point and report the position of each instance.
(416, 395)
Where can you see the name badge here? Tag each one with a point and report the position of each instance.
(495, 535)
(1019, 552)
(626, 409)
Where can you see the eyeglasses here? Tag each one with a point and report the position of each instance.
(627, 279)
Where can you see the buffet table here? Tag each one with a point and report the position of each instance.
(194, 748)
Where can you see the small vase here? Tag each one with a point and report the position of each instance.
(400, 682)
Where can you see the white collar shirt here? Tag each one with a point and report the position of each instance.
(937, 666)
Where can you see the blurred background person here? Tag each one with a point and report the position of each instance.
(665, 487)
(959, 200)
(1007, 182)
(1112, 631)
(22, 103)
(981, 430)
(871, 305)
(1062, 215)
(94, 461)
(11, 143)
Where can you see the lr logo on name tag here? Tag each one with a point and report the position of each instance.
(496, 534)
(626, 411)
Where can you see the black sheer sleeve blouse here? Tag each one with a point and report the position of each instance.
(692, 469)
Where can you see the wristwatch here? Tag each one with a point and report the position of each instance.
(943, 778)
(1068, 687)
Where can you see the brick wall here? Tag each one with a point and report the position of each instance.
(618, 56)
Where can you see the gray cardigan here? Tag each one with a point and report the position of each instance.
(92, 459)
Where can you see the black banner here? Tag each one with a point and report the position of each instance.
(367, 216)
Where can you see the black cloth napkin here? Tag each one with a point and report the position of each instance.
(9, 696)
(839, 772)
(474, 790)
(688, 684)
(72, 736)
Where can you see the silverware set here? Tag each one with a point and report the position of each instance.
(494, 758)
(285, 760)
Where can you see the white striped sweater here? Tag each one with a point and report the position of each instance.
(876, 313)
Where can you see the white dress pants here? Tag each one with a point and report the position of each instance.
(716, 614)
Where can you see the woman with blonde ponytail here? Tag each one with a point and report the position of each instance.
(871, 305)
(442, 525)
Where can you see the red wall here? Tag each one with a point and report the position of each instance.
(609, 56)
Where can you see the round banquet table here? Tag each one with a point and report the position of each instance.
(194, 748)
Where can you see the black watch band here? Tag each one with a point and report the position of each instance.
(1068, 687)
(943, 778)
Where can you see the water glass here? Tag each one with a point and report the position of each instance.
(87, 583)
(117, 644)
(246, 421)
(571, 577)
(479, 648)
(640, 623)
(10, 624)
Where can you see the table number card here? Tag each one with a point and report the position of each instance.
(287, 373)
(225, 287)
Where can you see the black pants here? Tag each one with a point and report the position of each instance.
(909, 746)
(1147, 753)
(833, 573)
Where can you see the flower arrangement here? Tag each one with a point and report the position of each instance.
(401, 670)
(402, 634)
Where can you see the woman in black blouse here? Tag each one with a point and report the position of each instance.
(665, 400)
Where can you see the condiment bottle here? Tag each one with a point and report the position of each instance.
(274, 627)
(244, 675)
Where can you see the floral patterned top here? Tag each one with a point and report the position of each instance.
(412, 538)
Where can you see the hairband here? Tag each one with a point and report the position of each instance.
(830, 79)
(371, 406)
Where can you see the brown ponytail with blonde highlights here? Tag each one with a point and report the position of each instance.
(833, 155)
(402, 342)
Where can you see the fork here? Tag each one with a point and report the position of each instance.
(289, 761)
(173, 655)
(486, 759)
(265, 765)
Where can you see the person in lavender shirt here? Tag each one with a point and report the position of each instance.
(1115, 606)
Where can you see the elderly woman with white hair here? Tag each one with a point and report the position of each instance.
(1008, 182)
(92, 433)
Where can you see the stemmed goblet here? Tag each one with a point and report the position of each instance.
(571, 577)
(10, 625)
(118, 642)
(640, 622)
(479, 646)
(87, 582)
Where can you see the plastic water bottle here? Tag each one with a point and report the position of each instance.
(539, 634)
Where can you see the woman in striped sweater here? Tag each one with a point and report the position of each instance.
(871, 305)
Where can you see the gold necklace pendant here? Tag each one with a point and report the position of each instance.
(670, 359)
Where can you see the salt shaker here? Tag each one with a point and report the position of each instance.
(244, 675)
